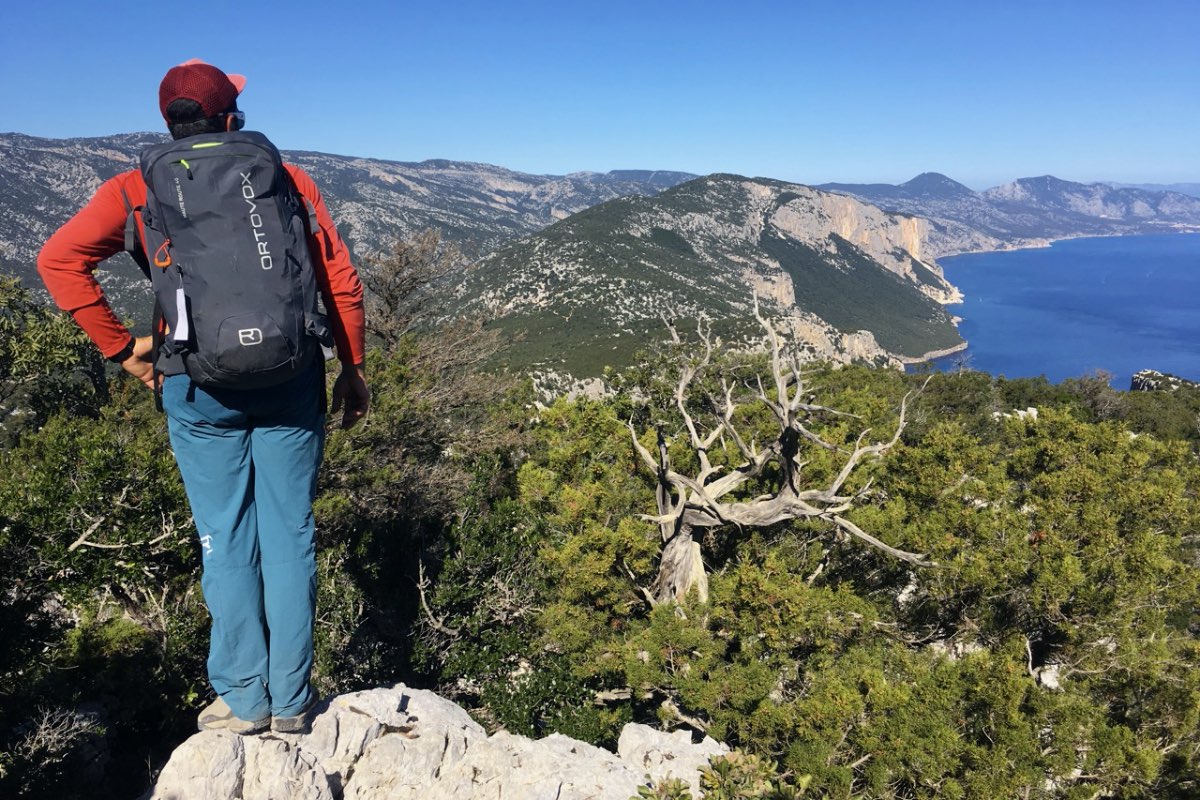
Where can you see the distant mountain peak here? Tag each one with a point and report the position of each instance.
(931, 177)
(935, 184)
(1047, 182)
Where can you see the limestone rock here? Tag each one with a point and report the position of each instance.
(216, 765)
(1150, 380)
(403, 744)
(336, 739)
(433, 735)
(555, 768)
(662, 755)
(276, 770)
(208, 766)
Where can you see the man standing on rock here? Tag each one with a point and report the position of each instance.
(238, 247)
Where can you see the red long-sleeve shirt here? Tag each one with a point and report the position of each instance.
(97, 232)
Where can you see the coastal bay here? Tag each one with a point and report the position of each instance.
(1118, 304)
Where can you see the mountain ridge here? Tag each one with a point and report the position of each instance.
(373, 201)
(852, 267)
(534, 200)
(1027, 211)
(848, 279)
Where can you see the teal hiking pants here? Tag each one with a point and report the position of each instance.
(249, 461)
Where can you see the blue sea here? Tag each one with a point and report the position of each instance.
(1119, 304)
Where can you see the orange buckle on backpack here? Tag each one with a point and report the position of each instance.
(162, 257)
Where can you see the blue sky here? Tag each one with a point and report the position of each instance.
(803, 91)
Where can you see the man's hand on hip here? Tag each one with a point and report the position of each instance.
(350, 389)
(141, 364)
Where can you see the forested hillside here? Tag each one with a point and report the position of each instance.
(890, 586)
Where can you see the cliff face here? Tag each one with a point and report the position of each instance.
(851, 280)
(898, 242)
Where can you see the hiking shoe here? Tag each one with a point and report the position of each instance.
(219, 717)
(298, 723)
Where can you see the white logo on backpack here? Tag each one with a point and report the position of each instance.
(256, 222)
(250, 336)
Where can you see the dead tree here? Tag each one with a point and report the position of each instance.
(687, 504)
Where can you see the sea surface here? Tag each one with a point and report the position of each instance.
(1119, 304)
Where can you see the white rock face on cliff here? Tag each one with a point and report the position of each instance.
(895, 241)
(405, 744)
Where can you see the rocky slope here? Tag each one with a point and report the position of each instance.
(853, 282)
(479, 206)
(1028, 211)
(410, 744)
(1151, 380)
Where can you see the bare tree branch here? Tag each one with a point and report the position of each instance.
(912, 558)
(673, 710)
(83, 540)
(686, 503)
(437, 623)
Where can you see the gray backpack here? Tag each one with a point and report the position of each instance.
(226, 238)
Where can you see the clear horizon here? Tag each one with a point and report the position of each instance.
(802, 92)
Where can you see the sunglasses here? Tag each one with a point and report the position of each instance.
(239, 119)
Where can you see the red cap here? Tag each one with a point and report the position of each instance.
(194, 80)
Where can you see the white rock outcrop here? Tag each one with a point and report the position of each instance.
(665, 755)
(403, 744)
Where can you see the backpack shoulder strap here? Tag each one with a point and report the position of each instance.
(311, 225)
(310, 220)
(132, 245)
(138, 253)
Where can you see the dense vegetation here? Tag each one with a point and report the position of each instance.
(494, 548)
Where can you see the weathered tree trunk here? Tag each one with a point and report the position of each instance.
(681, 570)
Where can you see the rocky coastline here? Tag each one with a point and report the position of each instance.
(932, 354)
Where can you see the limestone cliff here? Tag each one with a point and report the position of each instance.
(898, 242)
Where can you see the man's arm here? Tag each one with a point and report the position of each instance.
(66, 265)
(69, 258)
